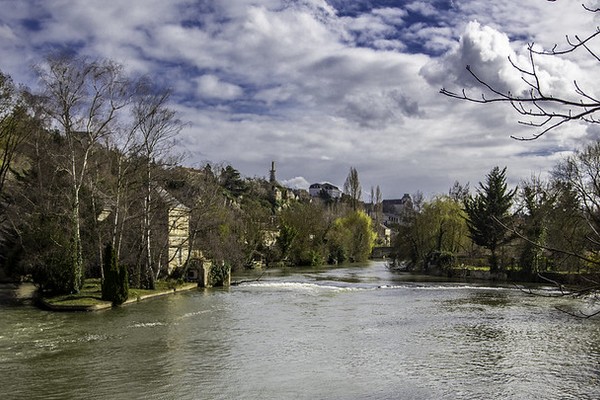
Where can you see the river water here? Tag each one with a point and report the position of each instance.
(358, 332)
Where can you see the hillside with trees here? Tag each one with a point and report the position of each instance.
(88, 173)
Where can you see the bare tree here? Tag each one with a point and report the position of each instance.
(580, 173)
(353, 188)
(83, 98)
(156, 127)
(377, 208)
(15, 124)
(541, 108)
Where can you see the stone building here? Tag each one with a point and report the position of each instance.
(176, 231)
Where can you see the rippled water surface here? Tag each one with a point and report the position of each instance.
(359, 332)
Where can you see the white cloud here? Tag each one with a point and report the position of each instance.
(487, 51)
(319, 90)
(6, 33)
(424, 8)
(210, 86)
(297, 182)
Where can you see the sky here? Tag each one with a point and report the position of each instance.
(320, 86)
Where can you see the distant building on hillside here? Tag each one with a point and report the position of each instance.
(394, 208)
(316, 190)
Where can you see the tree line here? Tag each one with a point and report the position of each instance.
(539, 226)
(88, 177)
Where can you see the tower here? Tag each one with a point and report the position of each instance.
(272, 173)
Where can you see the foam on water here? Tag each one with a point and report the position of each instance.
(346, 287)
(195, 313)
(146, 325)
(307, 287)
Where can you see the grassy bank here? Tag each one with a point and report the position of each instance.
(90, 296)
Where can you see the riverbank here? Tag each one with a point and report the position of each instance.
(515, 276)
(90, 297)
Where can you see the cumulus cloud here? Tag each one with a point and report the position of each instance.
(320, 85)
(487, 51)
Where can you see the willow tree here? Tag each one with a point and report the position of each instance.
(351, 238)
(83, 98)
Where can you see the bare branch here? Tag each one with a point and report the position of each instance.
(552, 249)
(549, 111)
(579, 313)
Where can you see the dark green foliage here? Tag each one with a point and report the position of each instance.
(443, 260)
(115, 286)
(232, 182)
(43, 250)
(219, 273)
(488, 211)
(304, 227)
(54, 276)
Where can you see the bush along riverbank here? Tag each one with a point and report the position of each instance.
(577, 280)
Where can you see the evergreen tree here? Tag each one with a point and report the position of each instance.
(488, 211)
(115, 286)
(232, 182)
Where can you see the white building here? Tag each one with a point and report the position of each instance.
(332, 191)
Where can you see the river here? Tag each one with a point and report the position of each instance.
(356, 332)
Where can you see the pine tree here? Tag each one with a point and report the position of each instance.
(488, 213)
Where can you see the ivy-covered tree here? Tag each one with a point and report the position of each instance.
(287, 234)
(408, 243)
(488, 214)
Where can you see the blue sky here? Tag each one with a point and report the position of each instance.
(321, 86)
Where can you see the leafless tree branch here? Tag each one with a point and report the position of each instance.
(547, 111)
